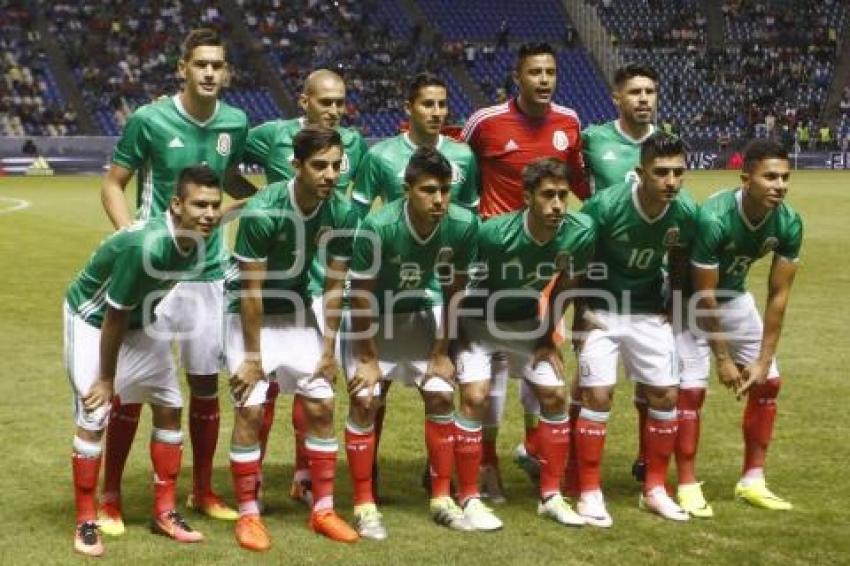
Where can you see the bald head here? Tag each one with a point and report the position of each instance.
(323, 98)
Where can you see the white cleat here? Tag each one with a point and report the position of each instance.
(557, 509)
(447, 513)
(369, 522)
(591, 507)
(480, 517)
(490, 480)
(662, 504)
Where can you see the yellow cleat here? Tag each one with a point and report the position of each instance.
(212, 506)
(692, 500)
(109, 520)
(758, 495)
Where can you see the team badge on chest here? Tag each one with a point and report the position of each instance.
(769, 245)
(345, 165)
(671, 237)
(222, 146)
(560, 141)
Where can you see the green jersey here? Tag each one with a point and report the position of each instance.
(726, 239)
(382, 172)
(270, 145)
(611, 154)
(409, 269)
(510, 259)
(132, 270)
(630, 247)
(161, 139)
(272, 229)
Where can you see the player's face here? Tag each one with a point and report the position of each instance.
(199, 211)
(319, 173)
(662, 178)
(428, 198)
(325, 104)
(637, 100)
(429, 110)
(547, 205)
(768, 182)
(205, 72)
(536, 78)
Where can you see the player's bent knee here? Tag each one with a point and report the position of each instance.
(166, 417)
(203, 385)
(438, 403)
(552, 399)
(661, 398)
(597, 398)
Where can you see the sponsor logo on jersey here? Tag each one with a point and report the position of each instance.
(345, 165)
(671, 238)
(560, 141)
(176, 142)
(511, 145)
(609, 156)
(222, 146)
(769, 245)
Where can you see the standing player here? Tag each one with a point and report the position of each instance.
(638, 222)
(161, 139)
(409, 262)
(506, 138)
(111, 345)
(280, 232)
(271, 145)
(734, 229)
(521, 253)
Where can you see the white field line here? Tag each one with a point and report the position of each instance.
(16, 204)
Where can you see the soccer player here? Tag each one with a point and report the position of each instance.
(112, 346)
(734, 229)
(267, 339)
(521, 252)
(271, 145)
(638, 222)
(159, 140)
(408, 266)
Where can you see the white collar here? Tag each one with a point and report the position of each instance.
(290, 187)
(183, 112)
(172, 231)
(739, 202)
(528, 231)
(406, 137)
(636, 141)
(419, 240)
(640, 211)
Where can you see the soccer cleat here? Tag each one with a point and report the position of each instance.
(302, 490)
(212, 506)
(490, 480)
(591, 508)
(528, 462)
(662, 504)
(172, 525)
(480, 517)
(758, 495)
(251, 533)
(447, 513)
(692, 500)
(557, 509)
(328, 523)
(87, 539)
(369, 522)
(109, 519)
(639, 471)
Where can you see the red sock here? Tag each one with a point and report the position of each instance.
(321, 458)
(379, 428)
(360, 450)
(268, 417)
(439, 438)
(570, 484)
(467, 455)
(489, 455)
(759, 416)
(532, 421)
(641, 407)
(203, 429)
(165, 457)
(554, 442)
(687, 439)
(590, 443)
(299, 428)
(85, 471)
(123, 422)
(660, 442)
(245, 469)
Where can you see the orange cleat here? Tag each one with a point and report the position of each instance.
(331, 525)
(87, 539)
(251, 533)
(172, 525)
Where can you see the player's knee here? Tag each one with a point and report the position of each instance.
(89, 435)
(203, 385)
(363, 408)
(438, 403)
(597, 398)
(474, 397)
(320, 412)
(552, 399)
(767, 391)
(247, 423)
(167, 418)
(661, 398)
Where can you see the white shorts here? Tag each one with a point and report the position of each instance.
(741, 321)
(145, 371)
(644, 342)
(404, 343)
(475, 363)
(192, 314)
(290, 348)
(693, 357)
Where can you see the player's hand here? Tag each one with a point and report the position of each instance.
(245, 378)
(729, 375)
(441, 367)
(753, 374)
(551, 354)
(366, 376)
(327, 368)
(99, 395)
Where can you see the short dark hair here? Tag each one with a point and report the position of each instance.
(420, 81)
(759, 150)
(311, 139)
(633, 70)
(543, 168)
(200, 175)
(200, 37)
(534, 48)
(661, 144)
(427, 161)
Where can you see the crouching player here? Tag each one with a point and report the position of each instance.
(734, 229)
(113, 347)
(520, 253)
(271, 333)
(398, 252)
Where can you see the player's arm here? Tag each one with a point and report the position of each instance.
(678, 265)
(237, 186)
(112, 195)
(112, 331)
(563, 294)
(705, 281)
(332, 298)
(252, 274)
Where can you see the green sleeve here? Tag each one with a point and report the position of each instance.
(365, 258)
(134, 146)
(593, 208)
(467, 246)
(791, 239)
(468, 193)
(361, 148)
(238, 155)
(259, 143)
(583, 253)
(367, 183)
(128, 279)
(254, 237)
(340, 247)
(707, 242)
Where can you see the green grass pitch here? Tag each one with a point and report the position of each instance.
(42, 246)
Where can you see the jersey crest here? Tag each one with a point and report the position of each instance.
(345, 165)
(769, 245)
(671, 237)
(560, 141)
(222, 145)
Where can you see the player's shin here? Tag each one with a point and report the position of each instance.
(166, 449)
(554, 439)
(268, 419)
(123, 422)
(467, 455)
(532, 418)
(360, 451)
(591, 429)
(688, 409)
(245, 470)
(759, 418)
(299, 428)
(439, 438)
(85, 463)
(660, 436)
(204, 419)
